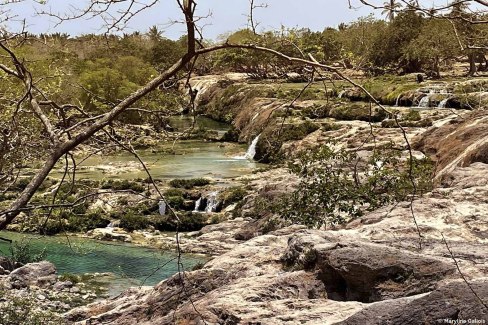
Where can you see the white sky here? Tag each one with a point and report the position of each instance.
(227, 15)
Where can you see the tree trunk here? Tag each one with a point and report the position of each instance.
(472, 64)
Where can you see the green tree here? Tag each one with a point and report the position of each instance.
(435, 44)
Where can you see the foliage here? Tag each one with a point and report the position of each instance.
(22, 252)
(188, 183)
(188, 222)
(233, 195)
(130, 222)
(85, 222)
(337, 186)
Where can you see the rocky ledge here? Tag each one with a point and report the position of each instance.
(36, 290)
(371, 272)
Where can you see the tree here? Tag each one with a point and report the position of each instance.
(59, 127)
(435, 44)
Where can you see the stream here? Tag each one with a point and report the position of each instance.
(132, 265)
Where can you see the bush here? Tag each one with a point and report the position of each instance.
(131, 222)
(412, 115)
(24, 310)
(85, 222)
(233, 195)
(188, 222)
(189, 183)
(271, 140)
(22, 252)
(173, 192)
(336, 186)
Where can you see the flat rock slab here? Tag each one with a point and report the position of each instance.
(451, 302)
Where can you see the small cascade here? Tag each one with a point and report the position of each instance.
(251, 152)
(443, 103)
(110, 225)
(198, 204)
(212, 202)
(162, 207)
(424, 102)
(397, 103)
(341, 94)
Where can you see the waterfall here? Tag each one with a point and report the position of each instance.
(162, 208)
(341, 94)
(443, 103)
(425, 101)
(397, 103)
(212, 202)
(251, 152)
(198, 203)
(110, 225)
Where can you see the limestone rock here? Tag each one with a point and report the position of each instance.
(450, 302)
(42, 274)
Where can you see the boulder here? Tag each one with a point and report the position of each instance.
(454, 303)
(366, 272)
(41, 274)
(62, 285)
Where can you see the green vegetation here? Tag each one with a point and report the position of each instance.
(233, 195)
(189, 183)
(268, 148)
(337, 186)
(22, 252)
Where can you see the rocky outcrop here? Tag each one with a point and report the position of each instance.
(454, 303)
(375, 270)
(460, 143)
(42, 274)
(365, 272)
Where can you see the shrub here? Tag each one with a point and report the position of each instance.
(22, 252)
(189, 183)
(412, 115)
(188, 222)
(173, 192)
(131, 222)
(25, 310)
(336, 186)
(233, 195)
(85, 222)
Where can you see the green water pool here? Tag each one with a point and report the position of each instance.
(131, 265)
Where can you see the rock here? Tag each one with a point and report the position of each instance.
(42, 274)
(7, 264)
(451, 302)
(74, 290)
(60, 286)
(369, 273)
(459, 143)
(3, 271)
(110, 234)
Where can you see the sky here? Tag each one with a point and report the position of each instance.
(226, 16)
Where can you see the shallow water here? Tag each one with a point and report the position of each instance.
(191, 159)
(131, 265)
(182, 123)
